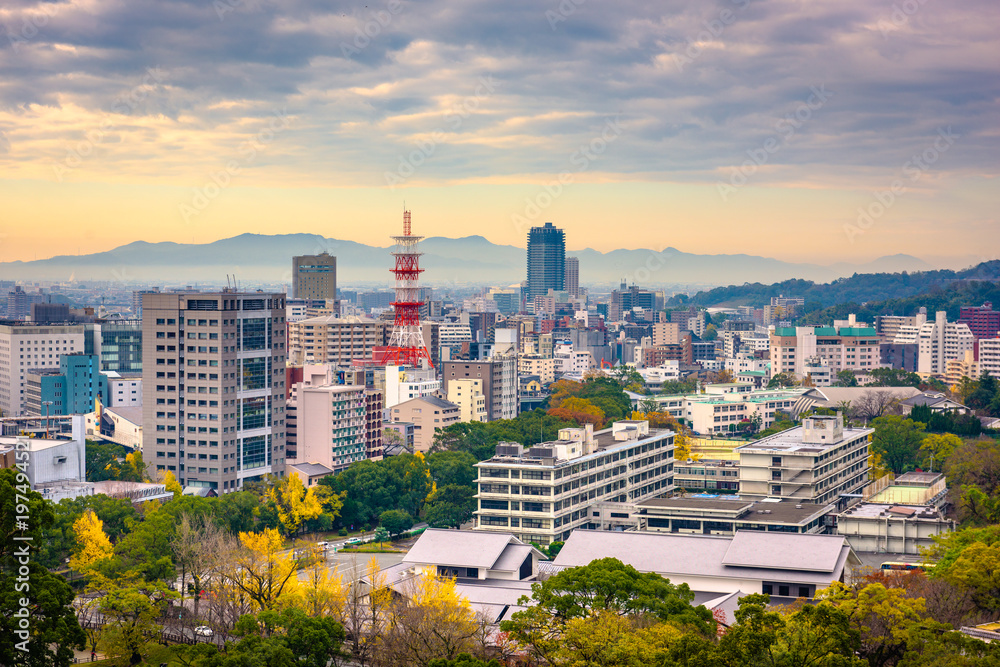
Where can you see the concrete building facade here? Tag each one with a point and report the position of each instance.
(545, 492)
(427, 414)
(314, 277)
(815, 462)
(214, 386)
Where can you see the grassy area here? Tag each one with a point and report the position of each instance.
(157, 656)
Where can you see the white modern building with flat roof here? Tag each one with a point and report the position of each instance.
(815, 462)
(545, 492)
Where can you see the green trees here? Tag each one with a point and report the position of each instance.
(450, 506)
(38, 625)
(396, 522)
(562, 606)
(781, 380)
(453, 467)
(897, 441)
(370, 488)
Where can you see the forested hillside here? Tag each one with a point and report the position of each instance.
(893, 289)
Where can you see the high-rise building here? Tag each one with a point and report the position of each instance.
(983, 321)
(19, 303)
(314, 277)
(572, 281)
(213, 376)
(939, 341)
(25, 347)
(546, 262)
(137, 299)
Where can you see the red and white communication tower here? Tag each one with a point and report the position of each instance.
(406, 345)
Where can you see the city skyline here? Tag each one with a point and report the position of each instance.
(694, 125)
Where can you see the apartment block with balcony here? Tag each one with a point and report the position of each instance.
(328, 339)
(213, 383)
(816, 462)
(940, 341)
(989, 356)
(545, 492)
(846, 348)
(332, 425)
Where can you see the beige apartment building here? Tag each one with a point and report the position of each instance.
(541, 494)
(815, 462)
(535, 364)
(468, 396)
(214, 386)
(427, 414)
(329, 339)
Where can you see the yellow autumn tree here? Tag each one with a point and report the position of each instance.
(682, 435)
(430, 621)
(92, 543)
(262, 571)
(172, 484)
(877, 466)
(320, 592)
(296, 504)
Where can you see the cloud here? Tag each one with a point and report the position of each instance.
(697, 85)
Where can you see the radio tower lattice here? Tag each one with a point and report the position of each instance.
(406, 345)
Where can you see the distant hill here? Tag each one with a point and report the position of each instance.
(898, 292)
(257, 258)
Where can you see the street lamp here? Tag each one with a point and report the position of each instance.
(47, 404)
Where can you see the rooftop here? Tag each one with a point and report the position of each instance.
(790, 442)
(882, 511)
(804, 558)
(483, 550)
(760, 511)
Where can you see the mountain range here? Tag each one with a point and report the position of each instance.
(266, 259)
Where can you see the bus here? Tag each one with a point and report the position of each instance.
(899, 566)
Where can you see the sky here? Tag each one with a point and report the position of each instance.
(821, 130)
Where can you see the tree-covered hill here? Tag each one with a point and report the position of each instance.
(944, 286)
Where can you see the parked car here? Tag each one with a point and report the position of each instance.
(203, 631)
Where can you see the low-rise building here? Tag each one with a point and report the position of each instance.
(897, 529)
(783, 565)
(544, 493)
(711, 475)
(726, 515)
(816, 462)
(428, 414)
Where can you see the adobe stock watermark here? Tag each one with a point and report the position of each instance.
(913, 169)
(373, 27)
(223, 178)
(562, 12)
(454, 117)
(124, 105)
(21, 549)
(31, 25)
(899, 16)
(581, 158)
(223, 7)
(713, 30)
(784, 130)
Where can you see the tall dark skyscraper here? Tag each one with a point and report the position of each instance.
(314, 277)
(546, 261)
